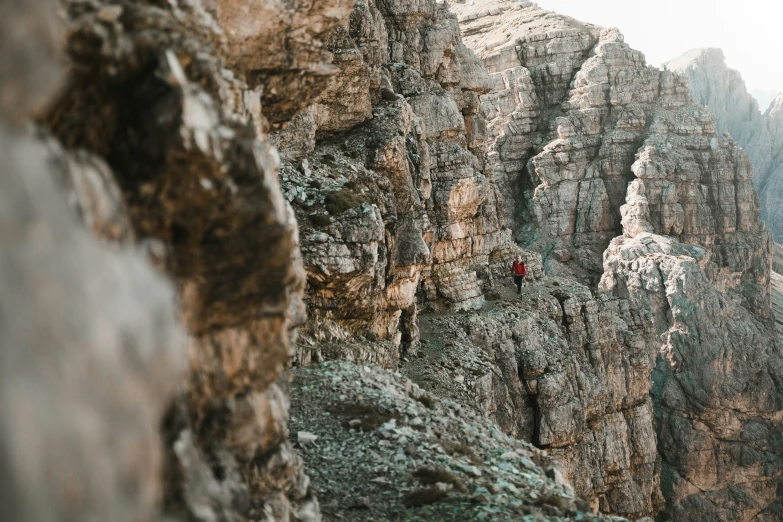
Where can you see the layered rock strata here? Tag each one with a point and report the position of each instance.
(715, 387)
(565, 370)
(385, 175)
(759, 132)
(621, 152)
(408, 200)
(658, 395)
(572, 105)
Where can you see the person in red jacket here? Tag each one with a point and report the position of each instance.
(519, 271)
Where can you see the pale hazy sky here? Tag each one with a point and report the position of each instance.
(750, 32)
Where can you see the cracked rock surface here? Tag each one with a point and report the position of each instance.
(199, 195)
(759, 130)
(563, 369)
(385, 173)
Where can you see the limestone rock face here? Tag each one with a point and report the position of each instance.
(699, 190)
(565, 370)
(764, 153)
(571, 106)
(279, 48)
(385, 173)
(715, 390)
(603, 157)
(714, 84)
(401, 176)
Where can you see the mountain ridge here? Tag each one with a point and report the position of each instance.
(239, 219)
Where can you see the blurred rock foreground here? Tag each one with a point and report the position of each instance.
(254, 256)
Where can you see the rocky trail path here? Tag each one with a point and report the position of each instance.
(420, 443)
(446, 367)
(378, 447)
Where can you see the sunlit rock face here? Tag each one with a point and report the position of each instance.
(385, 172)
(159, 248)
(611, 172)
(759, 132)
(279, 47)
(716, 402)
(572, 105)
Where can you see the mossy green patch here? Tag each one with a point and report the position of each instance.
(343, 199)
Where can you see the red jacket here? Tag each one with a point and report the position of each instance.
(519, 269)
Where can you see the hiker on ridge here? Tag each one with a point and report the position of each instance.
(519, 271)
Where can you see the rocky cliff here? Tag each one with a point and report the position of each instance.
(128, 397)
(386, 176)
(759, 132)
(617, 173)
(596, 162)
(200, 179)
(152, 142)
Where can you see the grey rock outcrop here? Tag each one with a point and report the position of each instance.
(610, 166)
(583, 148)
(152, 142)
(716, 393)
(565, 370)
(415, 173)
(153, 95)
(90, 357)
(759, 132)
(571, 108)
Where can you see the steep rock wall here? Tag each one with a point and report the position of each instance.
(385, 175)
(157, 141)
(716, 393)
(622, 151)
(565, 370)
(714, 84)
(571, 107)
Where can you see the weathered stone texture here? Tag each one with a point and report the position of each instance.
(714, 84)
(279, 48)
(598, 150)
(716, 393)
(411, 174)
(90, 357)
(571, 373)
(385, 174)
(567, 159)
